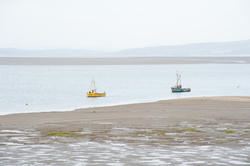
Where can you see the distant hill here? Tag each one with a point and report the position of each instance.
(234, 48)
(11, 52)
(197, 49)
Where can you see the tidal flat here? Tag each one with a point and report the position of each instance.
(200, 131)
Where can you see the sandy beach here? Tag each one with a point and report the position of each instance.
(183, 128)
(155, 115)
(122, 61)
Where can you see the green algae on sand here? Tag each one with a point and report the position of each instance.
(64, 134)
(188, 130)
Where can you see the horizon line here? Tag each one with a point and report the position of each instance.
(117, 50)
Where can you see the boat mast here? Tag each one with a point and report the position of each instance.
(177, 79)
(92, 86)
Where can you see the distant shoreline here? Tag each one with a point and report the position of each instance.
(122, 61)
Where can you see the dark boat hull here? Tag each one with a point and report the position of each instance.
(179, 90)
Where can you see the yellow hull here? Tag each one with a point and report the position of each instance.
(96, 94)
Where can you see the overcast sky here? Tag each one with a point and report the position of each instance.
(119, 24)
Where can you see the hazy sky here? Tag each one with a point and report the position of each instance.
(119, 24)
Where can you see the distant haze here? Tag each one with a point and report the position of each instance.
(112, 25)
(219, 49)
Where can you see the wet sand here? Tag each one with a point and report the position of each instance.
(192, 131)
(122, 61)
(153, 115)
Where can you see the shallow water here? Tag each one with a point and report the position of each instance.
(127, 146)
(50, 88)
(125, 154)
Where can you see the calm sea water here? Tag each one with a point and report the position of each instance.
(52, 88)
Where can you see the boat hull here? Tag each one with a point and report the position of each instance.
(96, 94)
(179, 90)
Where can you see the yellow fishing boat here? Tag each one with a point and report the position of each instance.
(93, 91)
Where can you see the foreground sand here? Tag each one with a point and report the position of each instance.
(192, 131)
(146, 115)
